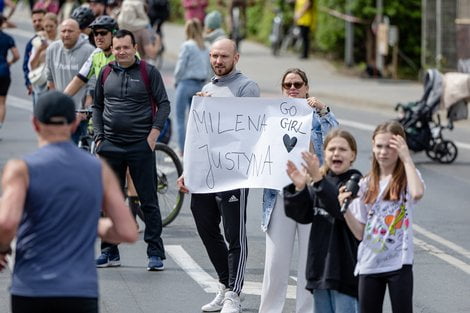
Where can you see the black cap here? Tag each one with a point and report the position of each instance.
(99, 1)
(54, 107)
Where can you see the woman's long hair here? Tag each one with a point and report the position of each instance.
(398, 183)
(193, 29)
(334, 133)
(299, 72)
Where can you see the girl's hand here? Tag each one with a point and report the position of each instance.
(343, 195)
(202, 94)
(299, 178)
(312, 165)
(315, 103)
(398, 143)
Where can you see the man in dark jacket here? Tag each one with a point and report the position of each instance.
(37, 18)
(126, 128)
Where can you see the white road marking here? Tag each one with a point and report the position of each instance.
(442, 241)
(20, 103)
(368, 127)
(442, 255)
(206, 281)
(27, 105)
(210, 285)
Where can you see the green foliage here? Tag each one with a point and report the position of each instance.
(406, 15)
(330, 31)
(176, 11)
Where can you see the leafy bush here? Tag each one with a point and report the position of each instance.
(330, 31)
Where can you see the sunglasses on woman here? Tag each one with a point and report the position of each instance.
(297, 85)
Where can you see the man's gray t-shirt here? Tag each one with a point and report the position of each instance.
(234, 84)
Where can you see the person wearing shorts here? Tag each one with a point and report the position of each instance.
(6, 44)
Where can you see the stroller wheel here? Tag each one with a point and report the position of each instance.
(444, 151)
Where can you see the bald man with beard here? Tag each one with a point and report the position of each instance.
(64, 59)
(229, 206)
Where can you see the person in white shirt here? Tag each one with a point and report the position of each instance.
(382, 218)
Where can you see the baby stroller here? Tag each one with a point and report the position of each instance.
(423, 128)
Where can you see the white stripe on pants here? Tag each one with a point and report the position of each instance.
(280, 239)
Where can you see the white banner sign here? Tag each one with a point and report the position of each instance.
(244, 142)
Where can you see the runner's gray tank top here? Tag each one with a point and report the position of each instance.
(55, 246)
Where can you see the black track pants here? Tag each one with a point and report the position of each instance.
(230, 207)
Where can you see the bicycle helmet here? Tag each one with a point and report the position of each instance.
(106, 22)
(84, 16)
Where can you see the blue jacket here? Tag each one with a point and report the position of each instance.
(27, 55)
(320, 127)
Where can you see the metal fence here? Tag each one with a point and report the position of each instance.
(445, 33)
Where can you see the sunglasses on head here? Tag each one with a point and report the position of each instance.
(297, 85)
(101, 33)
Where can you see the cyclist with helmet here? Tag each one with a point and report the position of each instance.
(84, 16)
(102, 28)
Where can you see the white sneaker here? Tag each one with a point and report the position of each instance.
(231, 303)
(216, 304)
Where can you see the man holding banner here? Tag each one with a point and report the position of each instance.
(230, 205)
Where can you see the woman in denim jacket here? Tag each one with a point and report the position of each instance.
(280, 230)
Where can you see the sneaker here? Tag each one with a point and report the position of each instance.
(107, 259)
(231, 303)
(155, 264)
(216, 304)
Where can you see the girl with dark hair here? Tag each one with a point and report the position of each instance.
(382, 218)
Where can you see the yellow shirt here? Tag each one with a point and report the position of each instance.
(309, 17)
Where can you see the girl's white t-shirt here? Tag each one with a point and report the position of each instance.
(387, 242)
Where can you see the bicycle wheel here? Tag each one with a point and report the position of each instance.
(169, 168)
(236, 27)
(276, 35)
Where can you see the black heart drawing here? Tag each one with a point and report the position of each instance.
(289, 142)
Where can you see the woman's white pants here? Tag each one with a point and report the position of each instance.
(280, 239)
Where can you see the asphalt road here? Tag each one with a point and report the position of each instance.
(442, 248)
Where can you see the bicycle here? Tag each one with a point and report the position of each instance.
(86, 141)
(277, 32)
(281, 41)
(236, 32)
(170, 198)
(292, 39)
(168, 169)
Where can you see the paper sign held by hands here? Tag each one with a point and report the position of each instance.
(244, 142)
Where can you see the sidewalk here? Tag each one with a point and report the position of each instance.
(325, 82)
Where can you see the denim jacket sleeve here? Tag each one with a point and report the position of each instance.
(320, 127)
(269, 201)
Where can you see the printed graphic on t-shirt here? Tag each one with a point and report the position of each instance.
(386, 229)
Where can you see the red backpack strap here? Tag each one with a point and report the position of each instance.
(106, 71)
(146, 79)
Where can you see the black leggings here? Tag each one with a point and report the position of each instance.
(400, 287)
(21, 304)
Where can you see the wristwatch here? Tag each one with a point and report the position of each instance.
(324, 111)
